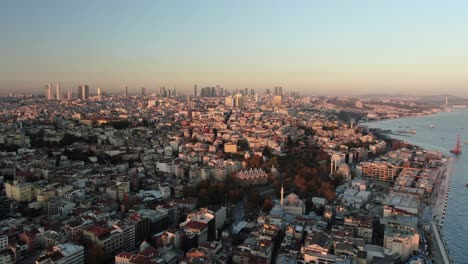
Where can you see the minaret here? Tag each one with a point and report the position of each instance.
(282, 196)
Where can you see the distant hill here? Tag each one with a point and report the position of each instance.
(441, 97)
(375, 96)
(406, 96)
(440, 100)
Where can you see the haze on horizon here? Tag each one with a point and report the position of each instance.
(314, 47)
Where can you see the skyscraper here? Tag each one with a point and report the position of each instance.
(213, 92)
(58, 92)
(48, 92)
(258, 98)
(229, 101)
(239, 101)
(143, 91)
(195, 92)
(126, 91)
(98, 91)
(278, 101)
(83, 92)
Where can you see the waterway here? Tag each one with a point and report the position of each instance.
(439, 132)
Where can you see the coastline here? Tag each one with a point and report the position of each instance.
(439, 205)
(433, 213)
(406, 117)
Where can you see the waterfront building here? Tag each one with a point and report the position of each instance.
(378, 170)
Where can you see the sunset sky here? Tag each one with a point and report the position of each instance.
(315, 47)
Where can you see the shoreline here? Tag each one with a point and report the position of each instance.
(443, 192)
(406, 117)
(433, 213)
(440, 206)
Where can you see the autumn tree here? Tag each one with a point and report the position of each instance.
(267, 205)
(254, 161)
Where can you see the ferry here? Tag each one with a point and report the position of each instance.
(406, 131)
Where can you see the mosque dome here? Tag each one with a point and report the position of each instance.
(276, 211)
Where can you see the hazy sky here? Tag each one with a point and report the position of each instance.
(314, 46)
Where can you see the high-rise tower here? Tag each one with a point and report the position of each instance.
(58, 92)
(48, 92)
(83, 92)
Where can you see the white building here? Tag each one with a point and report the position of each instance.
(65, 253)
(3, 242)
(402, 242)
(336, 160)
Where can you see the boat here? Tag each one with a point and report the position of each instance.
(456, 150)
(466, 184)
(406, 131)
(432, 126)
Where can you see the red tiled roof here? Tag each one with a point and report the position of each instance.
(98, 230)
(149, 252)
(125, 255)
(196, 225)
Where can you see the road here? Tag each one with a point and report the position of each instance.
(433, 214)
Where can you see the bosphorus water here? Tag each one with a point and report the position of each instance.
(439, 132)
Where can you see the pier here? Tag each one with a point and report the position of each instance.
(440, 244)
(438, 212)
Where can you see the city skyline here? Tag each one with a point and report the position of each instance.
(235, 132)
(315, 48)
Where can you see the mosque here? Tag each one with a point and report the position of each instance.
(289, 205)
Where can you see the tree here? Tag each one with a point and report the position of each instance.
(68, 139)
(267, 205)
(253, 200)
(267, 152)
(243, 145)
(119, 125)
(254, 161)
(76, 154)
(273, 162)
(9, 147)
(37, 139)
